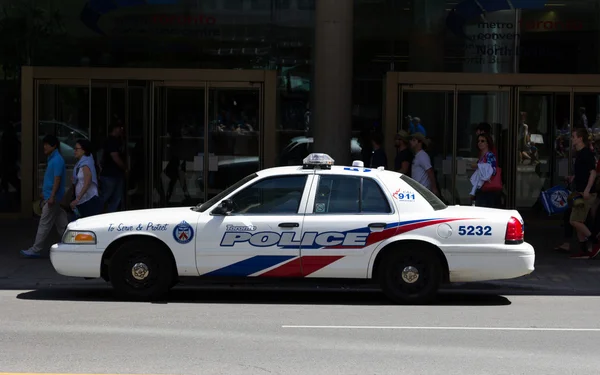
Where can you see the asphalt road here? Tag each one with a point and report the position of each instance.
(258, 332)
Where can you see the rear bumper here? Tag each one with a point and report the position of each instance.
(502, 263)
(76, 260)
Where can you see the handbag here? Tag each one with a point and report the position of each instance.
(495, 183)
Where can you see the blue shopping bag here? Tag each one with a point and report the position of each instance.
(555, 200)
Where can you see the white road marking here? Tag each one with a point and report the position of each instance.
(452, 328)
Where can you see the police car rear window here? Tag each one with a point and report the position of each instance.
(431, 198)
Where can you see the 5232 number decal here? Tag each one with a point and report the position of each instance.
(471, 230)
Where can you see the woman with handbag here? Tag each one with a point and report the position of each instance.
(85, 179)
(487, 179)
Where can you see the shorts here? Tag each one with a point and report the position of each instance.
(580, 213)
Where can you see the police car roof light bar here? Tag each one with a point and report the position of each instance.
(318, 160)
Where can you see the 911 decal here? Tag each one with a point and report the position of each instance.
(470, 230)
(404, 195)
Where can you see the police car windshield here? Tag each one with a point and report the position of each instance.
(431, 198)
(209, 203)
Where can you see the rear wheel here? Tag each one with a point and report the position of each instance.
(141, 270)
(411, 276)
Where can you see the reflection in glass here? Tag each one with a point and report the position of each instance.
(587, 114)
(294, 115)
(136, 150)
(233, 143)
(543, 141)
(433, 113)
(179, 116)
(475, 108)
(64, 112)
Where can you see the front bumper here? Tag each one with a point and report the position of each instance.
(76, 260)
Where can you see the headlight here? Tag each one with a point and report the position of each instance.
(79, 237)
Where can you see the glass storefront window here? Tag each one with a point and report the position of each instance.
(234, 116)
(431, 112)
(543, 142)
(294, 113)
(63, 111)
(179, 119)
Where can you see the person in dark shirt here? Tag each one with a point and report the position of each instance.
(583, 184)
(378, 157)
(113, 169)
(404, 155)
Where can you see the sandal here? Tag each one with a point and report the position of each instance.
(562, 248)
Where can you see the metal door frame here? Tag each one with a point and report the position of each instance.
(456, 90)
(205, 86)
(542, 90)
(31, 77)
(398, 82)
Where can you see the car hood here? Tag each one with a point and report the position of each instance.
(156, 215)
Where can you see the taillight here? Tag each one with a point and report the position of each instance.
(514, 232)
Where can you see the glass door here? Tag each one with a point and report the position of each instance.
(235, 117)
(430, 110)
(179, 120)
(63, 109)
(479, 106)
(138, 140)
(125, 104)
(544, 120)
(586, 112)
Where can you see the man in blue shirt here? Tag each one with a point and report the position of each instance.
(53, 190)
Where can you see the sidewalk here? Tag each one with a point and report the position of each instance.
(555, 273)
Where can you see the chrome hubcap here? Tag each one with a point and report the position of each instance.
(140, 271)
(410, 274)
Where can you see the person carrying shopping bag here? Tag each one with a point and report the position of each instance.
(87, 201)
(487, 179)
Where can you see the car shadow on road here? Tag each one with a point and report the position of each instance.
(261, 296)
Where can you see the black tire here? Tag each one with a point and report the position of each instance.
(150, 257)
(420, 291)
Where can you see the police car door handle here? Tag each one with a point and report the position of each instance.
(377, 225)
(289, 225)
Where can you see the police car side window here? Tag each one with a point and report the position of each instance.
(275, 195)
(349, 195)
(373, 199)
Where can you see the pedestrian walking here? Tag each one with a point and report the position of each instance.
(53, 190)
(87, 201)
(584, 193)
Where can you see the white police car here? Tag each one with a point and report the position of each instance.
(315, 221)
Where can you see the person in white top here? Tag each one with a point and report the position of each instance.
(422, 170)
(87, 201)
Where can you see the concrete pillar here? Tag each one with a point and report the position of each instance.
(427, 36)
(332, 84)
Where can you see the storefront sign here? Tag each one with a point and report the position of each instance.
(499, 42)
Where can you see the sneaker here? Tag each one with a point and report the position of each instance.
(580, 255)
(595, 251)
(29, 254)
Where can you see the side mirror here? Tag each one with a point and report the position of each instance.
(224, 208)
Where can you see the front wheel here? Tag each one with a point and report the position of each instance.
(411, 276)
(141, 271)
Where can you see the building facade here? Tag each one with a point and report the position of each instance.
(211, 90)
